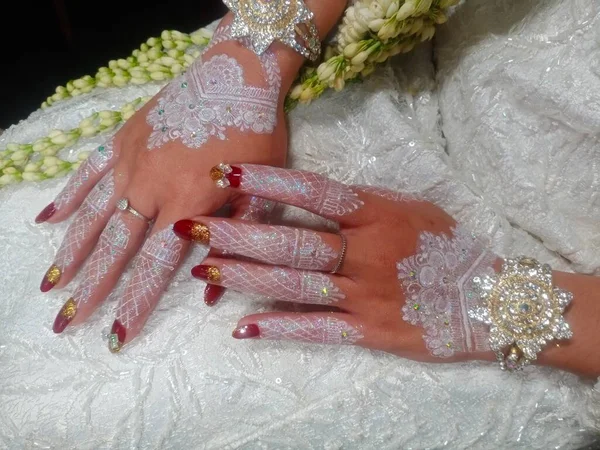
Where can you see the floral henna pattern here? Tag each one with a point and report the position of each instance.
(320, 330)
(439, 291)
(303, 249)
(153, 268)
(111, 246)
(281, 284)
(94, 164)
(211, 97)
(94, 206)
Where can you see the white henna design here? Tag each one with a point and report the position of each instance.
(153, 268)
(305, 189)
(94, 206)
(94, 164)
(258, 210)
(439, 292)
(282, 284)
(302, 249)
(212, 96)
(321, 330)
(111, 246)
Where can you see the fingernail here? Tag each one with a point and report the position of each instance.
(51, 278)
(192, 231)
(246, 332)
(225, 175)
(213, 293)
(207, 273)
(46, 213)
(116, 338)
(65, 315)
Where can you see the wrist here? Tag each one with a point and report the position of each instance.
(326, 15)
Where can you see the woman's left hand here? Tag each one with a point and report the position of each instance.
(385, 288)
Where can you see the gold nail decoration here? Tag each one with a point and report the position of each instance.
(69, 309)
(53, 274)
(200, 233)
(214, 274)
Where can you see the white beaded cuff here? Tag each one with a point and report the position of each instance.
(266, 21)
(523, 309)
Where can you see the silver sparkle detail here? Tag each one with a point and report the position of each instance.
(523, 309)
(267, 21)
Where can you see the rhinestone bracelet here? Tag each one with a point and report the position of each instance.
(523, 309)
(266, 21)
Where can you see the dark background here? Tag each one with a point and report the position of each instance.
(50, 42)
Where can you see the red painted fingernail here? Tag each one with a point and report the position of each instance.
(46, 213)
(51, 278)
(213, 293)
(117, 336)
(246, 332)
(65, 315)
(192, 231)
(207, 273)
(225, 175)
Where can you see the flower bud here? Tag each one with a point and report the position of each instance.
(7, 179)
(441, 18)
(13, 147)
(33, 176)
(20, 155)
(325, 70)
(152, 42)
(339, 83)
(296, 92)
(307, 94)
(406, 10)
(88, 131)
(50, 161)
(60, 139)
(166, 34)
(158, 76)
(352, 50)
(393, 8)
(360, 58)
(168, 44)
(10, 171)
(32, 167)
(375, 25)
(177, 69)
(387, 31)
(51, 171)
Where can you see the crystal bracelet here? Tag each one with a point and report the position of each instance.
(523, 309)
(266, 21)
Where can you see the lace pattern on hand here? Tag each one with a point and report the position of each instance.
(212, 96)
(439, 291)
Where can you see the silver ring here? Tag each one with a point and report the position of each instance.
(338, 266)
(124, 205)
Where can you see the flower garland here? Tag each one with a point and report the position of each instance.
(371, 32)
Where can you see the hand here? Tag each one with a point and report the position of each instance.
(404, 285)
(158, 161)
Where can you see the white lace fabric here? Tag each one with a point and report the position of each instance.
(520, 164)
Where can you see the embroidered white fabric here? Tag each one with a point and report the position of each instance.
(516, 85)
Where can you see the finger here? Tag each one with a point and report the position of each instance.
(93, 169)
(317, 328)
(277, 283)
(82, 233)
(153, 268)
(251, 209)
(117, 244)
(277, 245)
(307, 190)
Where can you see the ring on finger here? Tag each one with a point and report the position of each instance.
(340, 262)
(124, 205)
